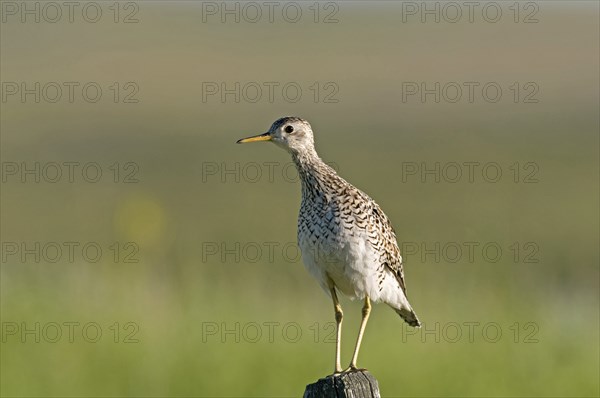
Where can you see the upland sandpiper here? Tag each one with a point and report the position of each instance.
(347, 242)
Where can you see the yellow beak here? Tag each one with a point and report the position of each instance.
(260, 137)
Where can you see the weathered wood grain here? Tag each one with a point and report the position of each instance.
(358, 384)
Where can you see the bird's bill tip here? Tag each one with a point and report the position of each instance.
(255, 138)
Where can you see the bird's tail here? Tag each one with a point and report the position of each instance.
(409, 316)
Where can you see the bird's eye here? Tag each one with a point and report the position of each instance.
(289, 129)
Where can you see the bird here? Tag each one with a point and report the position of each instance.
(347, 242)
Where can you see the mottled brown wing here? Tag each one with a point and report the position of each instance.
(390, 252)
(381, 235)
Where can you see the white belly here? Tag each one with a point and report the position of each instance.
(348, 261)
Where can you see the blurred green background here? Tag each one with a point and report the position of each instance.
(183, 319)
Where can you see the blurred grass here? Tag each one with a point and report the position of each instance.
(171, 293)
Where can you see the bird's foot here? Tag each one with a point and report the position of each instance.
(353, 368)
(338, 371)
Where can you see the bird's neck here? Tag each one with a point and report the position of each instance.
(306, 159)
(313, 173)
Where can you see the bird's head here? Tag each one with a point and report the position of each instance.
(291, 133)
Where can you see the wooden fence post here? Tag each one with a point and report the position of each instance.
(359, 384)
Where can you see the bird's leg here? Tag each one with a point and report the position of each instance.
(338, 322)
(366, 310)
